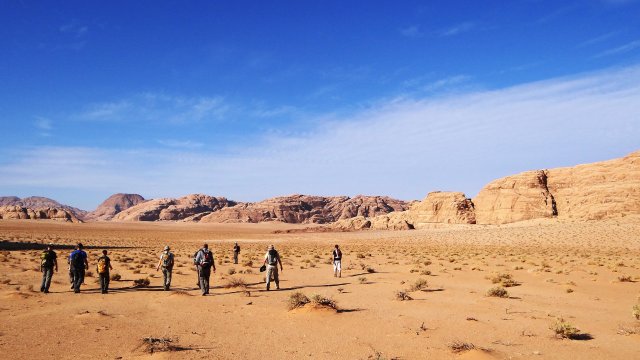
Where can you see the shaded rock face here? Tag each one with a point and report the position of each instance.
(602, 190)
(515, 198)
(173, 209)
(19, 212)
(113, 205)
(39, 202)
(302, 209)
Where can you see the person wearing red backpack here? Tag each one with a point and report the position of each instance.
(204, 261)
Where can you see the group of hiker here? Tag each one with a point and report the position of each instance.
(203, 261)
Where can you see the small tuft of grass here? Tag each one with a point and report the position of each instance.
(460, 346)
(636, 311)
(297, 300)
(115, 277)
(362, 280)
(625, 278)
(323, 301)
(231, 271)
(564, 330)
(142, 282)
(419, 285)
(498, 291)
(403, 296)
(234, 282)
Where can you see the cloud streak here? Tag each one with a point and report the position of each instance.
(403, 147)
(630, 46)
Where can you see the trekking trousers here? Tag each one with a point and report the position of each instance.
(337, 266)
(104, 281)
(235, 257)
(47, 274)
(205, 273)
(78, 279)
(166, 273)
(272, 270)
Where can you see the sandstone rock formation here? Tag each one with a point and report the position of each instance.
(515, 198)
(114, 205)
(600, 190)
(39, 202)
(303, 209)
(19, 212)
(173, 209)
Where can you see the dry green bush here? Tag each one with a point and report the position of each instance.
(234, 282)
(231, 271)
(403, 296)
(115, 277)
(323, 301)
(498, 291)
(419, 285)
(636, 311)
(625, 278)
(142, 282)
(297, 300)
(564, 330)
(460, 346)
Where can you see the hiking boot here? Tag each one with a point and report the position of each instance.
(46, 291)
(76, 291)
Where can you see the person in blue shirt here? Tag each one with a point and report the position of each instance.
(78, 263)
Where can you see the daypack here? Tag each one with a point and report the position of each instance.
(236, 249)
(46, 259)
(207, 258)
(272, 257)
(167, 260)
(337, 254)
(102, 265)
(77, 261)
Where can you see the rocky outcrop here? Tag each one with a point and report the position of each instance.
(115, 204)
(40, 203)
(601, 190)
(304, 209)
(16, 212)
(514, 198)
(437, 207)
(173, 209)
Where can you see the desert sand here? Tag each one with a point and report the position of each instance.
(586, 273)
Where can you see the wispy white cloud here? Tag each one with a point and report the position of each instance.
(158, 107)
(630, 46)
(74, 29)
(403, 147)
(181, 144)
(412, 31)
(456, 29)
(598, 39)
(44, 126)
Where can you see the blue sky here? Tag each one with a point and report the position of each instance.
(253, 99)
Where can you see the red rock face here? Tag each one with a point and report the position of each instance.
(304, 209)
(40, 203)
(113, 205)
(173, 209)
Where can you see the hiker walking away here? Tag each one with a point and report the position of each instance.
(271, 260)
(79, 263)
(204, 259)
(337, 262)
(103, 267)
(166, 262)
(236, 252)
(48, 260)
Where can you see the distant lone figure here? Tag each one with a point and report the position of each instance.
(104, 267)
(78, 263)
(236, 252)
(204, 259)
(48, 260)
(337, 262)
(166, 262)
(271, 260)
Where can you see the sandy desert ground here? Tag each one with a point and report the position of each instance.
(584, 273)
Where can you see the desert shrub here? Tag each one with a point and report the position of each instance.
(564, 330)
(460, 346)
(498, 291)
(360, 256)
(324, 301)
(233, 282)
(248, 263)
(142, 282)
(362, 280)
(425, 272)
(636, 311)
(500, 277)
(569, 290)
(248, 271)
(297, 300)
(231, 271)
(419, 285)
(370, 270)
(625, 278)
(88, 274)
(509, 283)
(403, 296)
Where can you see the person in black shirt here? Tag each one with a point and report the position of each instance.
(48, 261)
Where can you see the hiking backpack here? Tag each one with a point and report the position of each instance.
(272, 257)
(207, 259)
(77, 261)
(102, 265)
(167, 260)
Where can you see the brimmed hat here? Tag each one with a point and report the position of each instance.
(166, 248)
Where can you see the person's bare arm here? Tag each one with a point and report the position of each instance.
(86, 263)
(55, 262)
(159, 263)
(280, 262)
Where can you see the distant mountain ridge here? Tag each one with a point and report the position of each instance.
(113, 205)
(40, 202)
